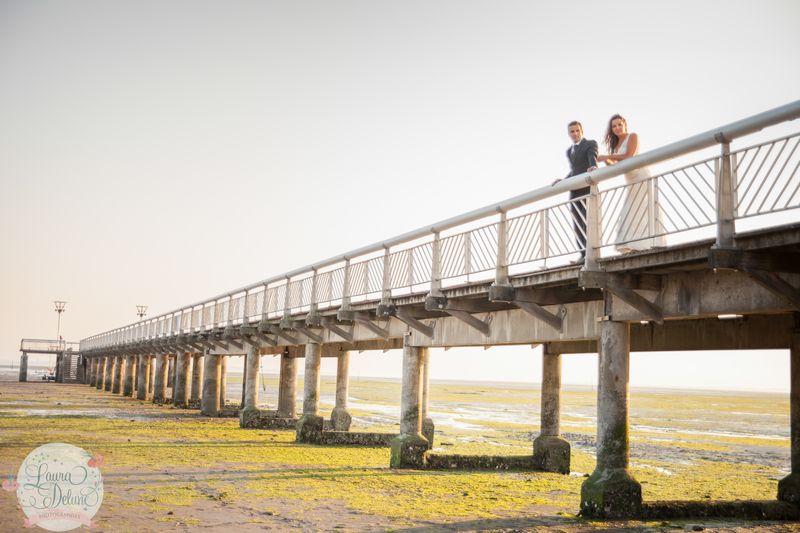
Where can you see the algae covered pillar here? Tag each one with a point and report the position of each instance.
(611, 492)
(209, 405)
(287, 387)
(116, 384)
(789, 487)
(23, 367)
(180, 388)
(340, 418)
(127, 389)
(197, 377)
(408, 449)
(428, 428)
(310, 422)
(143, 377)
(550, 450)
(101, 372)
(223, 379)
(160, 387)
(250, 386)
(109, 373)
(171, 358)
(92, 371)
(152, 381)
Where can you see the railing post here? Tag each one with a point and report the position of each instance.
(346, 285)
(544, 235)
(501, 270)
(725, 197)
(286, 300)
(592, 229)
(436, 266)
(312, 305)
(386, 291)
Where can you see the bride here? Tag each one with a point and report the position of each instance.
(635, 220)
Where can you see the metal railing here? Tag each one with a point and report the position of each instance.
(47, 345)
(649, 210)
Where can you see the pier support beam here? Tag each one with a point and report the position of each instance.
(310, 422)
(143, 377)
(93, 372)
(340, 418)
(250, 386)
(197, 377)
(789, 487)
(130, 371)
(211, 385)
(223, 379)
(550, 450)
(101, 372)
(611, 492)
(408, 449)
(116, 383)
(180, 387)
(428, 429)
(171, 358)
(160, 387)
(23, 367)
(152, 381)
(108, 377)
(287, 387)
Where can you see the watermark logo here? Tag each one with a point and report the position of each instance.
(59, 487)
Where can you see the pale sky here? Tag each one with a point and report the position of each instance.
(163, 152)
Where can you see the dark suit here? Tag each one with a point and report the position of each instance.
(581, 158)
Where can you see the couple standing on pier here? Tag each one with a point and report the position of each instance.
(632, 224)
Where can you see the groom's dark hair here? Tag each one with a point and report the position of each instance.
(575, 123)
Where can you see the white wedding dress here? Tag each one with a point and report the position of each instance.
(636, 222)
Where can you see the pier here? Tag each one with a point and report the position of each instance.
(727, 278)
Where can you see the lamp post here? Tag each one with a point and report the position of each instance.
(59, 309)
(141, 310)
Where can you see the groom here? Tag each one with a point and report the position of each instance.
(582, 157)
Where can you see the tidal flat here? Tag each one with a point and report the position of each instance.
(168, 469)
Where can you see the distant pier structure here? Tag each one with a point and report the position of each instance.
(719, 269)
(69, 363)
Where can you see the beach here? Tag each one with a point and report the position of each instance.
(168, 469)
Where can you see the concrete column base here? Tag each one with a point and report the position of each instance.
(341, 419)
(428, 430)
(789, 488)
(551, 454)
(249, 417)
(611, 493)
(408, 451)
(307, 426)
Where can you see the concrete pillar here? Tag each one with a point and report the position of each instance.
(197, 377)
(408, 449)
(340, 418)
(211, 385)
(23, 367)
(101, 373)
(95, 371)
(59, 366)
(550, 451)
(127, 388)
(82, 369)
(109, 373)
(92, 365)
(223, 379)
(428, 428)
(250, 386)
(152, 381)
(143, 377)
(116, 382)
(789, 487)
(287, 388)
(310, 422)
(160, 387)
(171, 373)
(244, 381)
(611, 492)
(180, 394)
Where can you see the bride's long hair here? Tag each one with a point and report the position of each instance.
(611, 140)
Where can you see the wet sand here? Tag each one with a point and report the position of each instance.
(171, 470)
